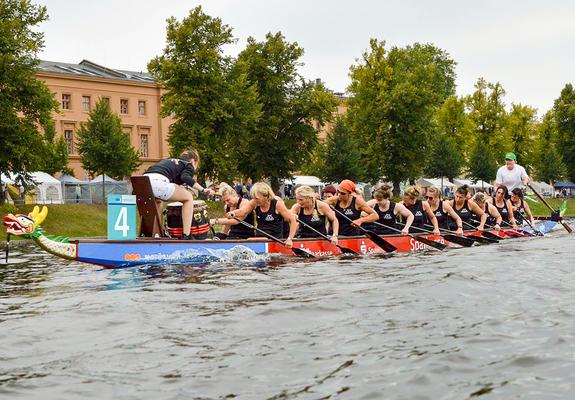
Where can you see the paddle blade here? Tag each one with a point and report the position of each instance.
(567, 227)
(346, 250)
(484, 240)
(384, 244)
(490, 235)
(460, 240)
(429, 242)
(302, 252)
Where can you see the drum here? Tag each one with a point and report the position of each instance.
(200, 220)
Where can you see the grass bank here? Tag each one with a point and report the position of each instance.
(89, 220)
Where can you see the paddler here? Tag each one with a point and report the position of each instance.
(520, 207)
(168, 177)
(465, 207)
(503, 204)
(315, 213)
(270, 211)
(420, 209)
(387, 212)
(493, 215)
(347, 202)
(231, 228)
(442, 210)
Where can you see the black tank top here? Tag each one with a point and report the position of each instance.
(270, 221)
(387, 218)
(315, 220)
(419, 219)
(241, 231)
(503, 211)
(345, 228)
(464, 212)
(477, 219)
(518, 213)
(442, 216)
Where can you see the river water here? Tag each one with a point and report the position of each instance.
(489, 322)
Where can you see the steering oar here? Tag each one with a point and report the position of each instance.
(565, 225)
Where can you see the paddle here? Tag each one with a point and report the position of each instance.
(565, 225)
(424, 240)
(487, 235)
(384, 244)
(7, 246)
(452, 236)
(535, 231)
(296, 251)
(344, 250)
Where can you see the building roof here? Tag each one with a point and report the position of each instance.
(91, 69)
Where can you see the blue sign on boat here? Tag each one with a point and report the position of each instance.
(121, 217)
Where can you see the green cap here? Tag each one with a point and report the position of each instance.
(510, 156)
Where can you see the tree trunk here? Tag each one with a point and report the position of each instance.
(396, 190)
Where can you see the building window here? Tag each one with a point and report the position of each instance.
(143, 145)
(69, 139)
(123, 106)
(106, 100)
(66, 101)
(86, 105)
(141, 107)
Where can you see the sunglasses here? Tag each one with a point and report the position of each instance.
(429, 197)
(344, 193)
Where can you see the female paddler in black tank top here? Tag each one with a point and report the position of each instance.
(493, 216)
(443, 210)
(420, 209)
(315, 213)
(270, 212)
(503, 205)
(465, 208)
(388, 211)
(521, 209)
(347, 203)
(232, 229)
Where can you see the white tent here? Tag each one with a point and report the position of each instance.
(473, 185)
(98, 179)
(543, 188)
(426, 182)
(111, 186)
(6, 179)
(74, 190)
(48, 189)
(298, 180)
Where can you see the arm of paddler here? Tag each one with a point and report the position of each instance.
(370, 214)
(330, 215)
(451, 212)
(402, 210)
(475, 209)
(291, 218)
(246, 208)
(432, 218)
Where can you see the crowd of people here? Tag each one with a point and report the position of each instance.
(339, 212)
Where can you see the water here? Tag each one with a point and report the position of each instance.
(489, 322)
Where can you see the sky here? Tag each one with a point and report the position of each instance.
(525, 45)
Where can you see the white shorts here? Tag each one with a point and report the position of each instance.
(161, 186)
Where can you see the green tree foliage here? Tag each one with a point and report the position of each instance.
(482, 164)
(26, 104)
(521, 130)
(486, 111)
(547, 160)
(445, 158)
(452, 121)
(339, 157)
(211, 101)
(395, 96)
(55, 156)
(284, 138)
(564, 113)
(103, 147)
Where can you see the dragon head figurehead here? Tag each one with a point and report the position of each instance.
(25, 225)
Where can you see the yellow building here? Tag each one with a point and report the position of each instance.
(134, 96)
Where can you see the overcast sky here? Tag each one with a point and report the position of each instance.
(525, 45)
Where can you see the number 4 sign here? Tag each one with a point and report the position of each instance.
(121, 217)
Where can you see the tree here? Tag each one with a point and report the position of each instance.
(103, 147)
(445, 159)
(55, 156)
(452, 121)
(211, 101)
(339, 157)
(564, 110)
(521, 130)
(547, 160)
(26, 103)
(284, 138)
(488, 116)
(395, 96)
(482, 164)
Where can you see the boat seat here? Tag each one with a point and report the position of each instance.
(150, 212)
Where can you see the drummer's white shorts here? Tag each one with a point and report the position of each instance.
(161, 186)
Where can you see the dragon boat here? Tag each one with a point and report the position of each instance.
(164, 251)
